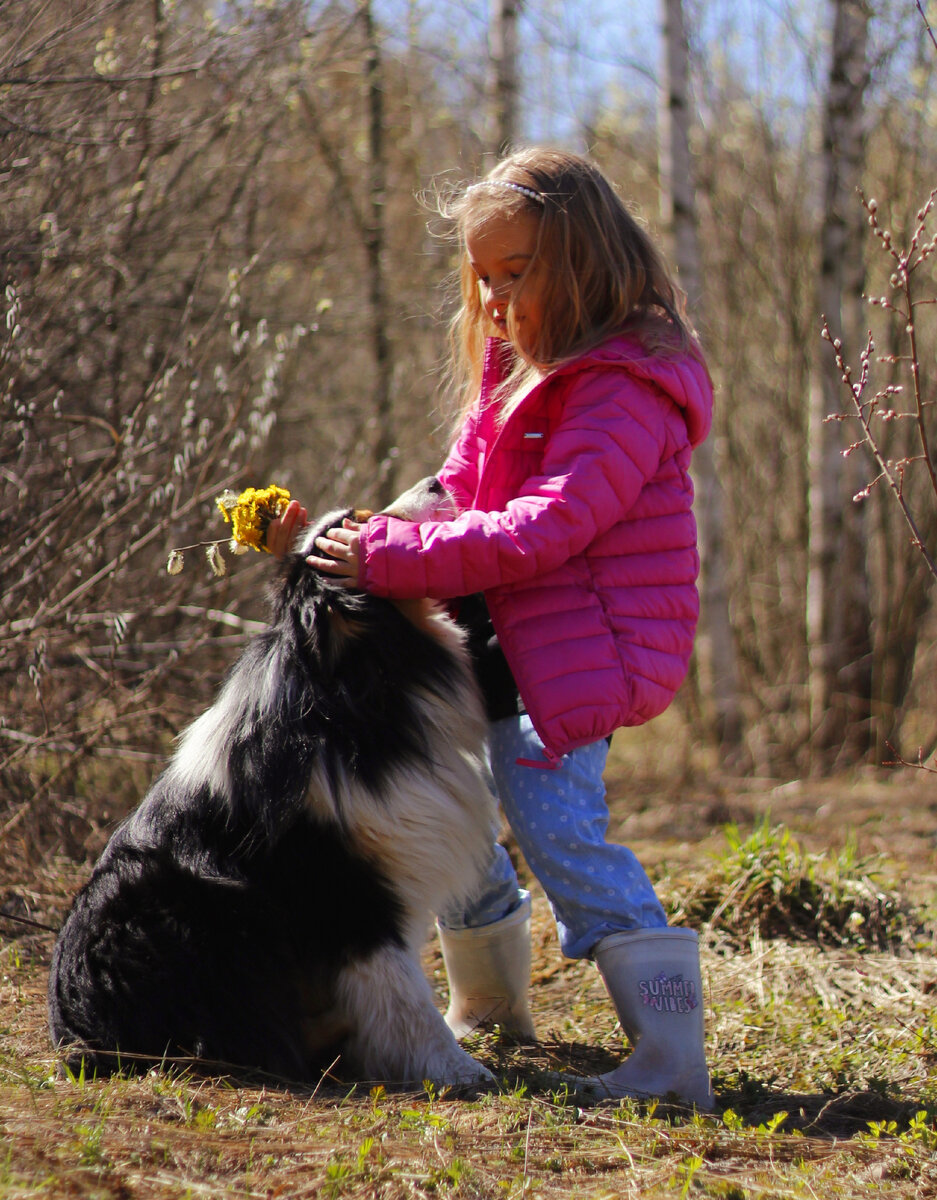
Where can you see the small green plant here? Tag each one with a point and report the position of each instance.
(770, 1127)
(249, 1114)
(732, 1121)
(687, 1173)
(920, 1136)
(428, 1121)
(520, 1185)
(765, 881)
(342, 1172)
(90, 1137)
(451, 1176)
(337, 1174)
(77, 1079)
(922, 1130)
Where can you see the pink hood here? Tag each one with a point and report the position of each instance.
(577, 525)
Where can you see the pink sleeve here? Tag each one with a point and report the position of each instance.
(609, 443)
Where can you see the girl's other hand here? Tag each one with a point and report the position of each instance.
(283, 529)
(343, 547)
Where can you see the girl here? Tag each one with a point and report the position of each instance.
(585, 394)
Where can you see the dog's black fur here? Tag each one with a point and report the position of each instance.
(264, 907)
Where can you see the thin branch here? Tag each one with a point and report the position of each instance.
(930, 32)
(885, 467)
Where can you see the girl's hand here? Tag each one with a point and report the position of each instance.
(283, 529)
(343, 545)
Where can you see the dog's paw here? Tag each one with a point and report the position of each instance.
(459, 1072)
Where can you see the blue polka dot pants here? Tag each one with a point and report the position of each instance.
(559, 818)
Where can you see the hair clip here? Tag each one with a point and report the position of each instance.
(507, 183)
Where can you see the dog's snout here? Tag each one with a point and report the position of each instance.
(425, 500)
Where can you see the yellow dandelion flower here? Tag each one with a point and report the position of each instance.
(250, 513)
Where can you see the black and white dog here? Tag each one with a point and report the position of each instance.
(265, 906)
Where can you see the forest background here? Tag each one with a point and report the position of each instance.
(218, 271)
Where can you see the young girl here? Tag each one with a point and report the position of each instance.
(585, 394)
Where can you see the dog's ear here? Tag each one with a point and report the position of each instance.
(361, 515)
(304, 542)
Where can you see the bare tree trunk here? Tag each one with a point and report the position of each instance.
(838, 604)
(716, 648)
(502, 73)
(374, 222)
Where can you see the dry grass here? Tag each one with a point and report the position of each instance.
(823, 1058)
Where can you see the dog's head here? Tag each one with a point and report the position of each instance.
(427, 500)
(306, 595)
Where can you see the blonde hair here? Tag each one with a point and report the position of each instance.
(598, 271)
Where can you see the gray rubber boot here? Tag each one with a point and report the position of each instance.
(489, 975)
(653, 978)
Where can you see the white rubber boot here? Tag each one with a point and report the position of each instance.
(489, 975)
(653, 978)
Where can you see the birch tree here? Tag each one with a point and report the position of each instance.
(679, 216)
(502, 73)
(838, 603)
(374, 238)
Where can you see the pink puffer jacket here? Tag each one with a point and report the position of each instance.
(576, 522)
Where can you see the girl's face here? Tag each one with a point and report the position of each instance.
(499, 252)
